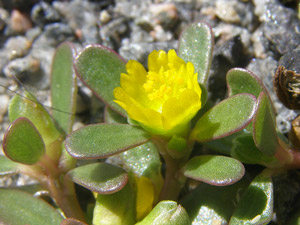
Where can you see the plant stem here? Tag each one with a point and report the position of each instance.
(61, 189)
(174, 178)
(65, 197)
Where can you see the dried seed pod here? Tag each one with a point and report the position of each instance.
(287, 86)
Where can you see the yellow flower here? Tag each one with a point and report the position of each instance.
(164, 99)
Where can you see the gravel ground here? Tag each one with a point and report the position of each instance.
(250, 34)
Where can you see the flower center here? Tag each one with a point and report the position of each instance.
(163, 85)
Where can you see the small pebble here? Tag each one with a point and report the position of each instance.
(225, 10)
(19, 22)
(17, 46)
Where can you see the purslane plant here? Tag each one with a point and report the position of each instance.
(150, 114)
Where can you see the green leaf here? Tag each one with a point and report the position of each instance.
(144, 160)
(19, 208)
(7, 166)
(23, 143)
(229, 116)
(63, 86)
(196, 46)
(166, 213)
(245, 150)
(102, 178)
(264, 126)
(29, 107)
(103, 140)
(295, 219)
(214, 169)
(256, 204)
(71, 221)
(115, 209)
(100, 69)
(207, 204)
(111, 116)
(243, 81)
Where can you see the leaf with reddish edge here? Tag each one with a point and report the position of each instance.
(7, 167)
(264, 126)
(19, 208)
(243, 81)
(196, 46)
(227, 117)
(23, 143)
(103, 140)
(256, 203)
(215, 170)
(102, 178)
(63, 86)
(99, 68)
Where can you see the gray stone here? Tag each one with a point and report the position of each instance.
(17, 46)
(43, 13)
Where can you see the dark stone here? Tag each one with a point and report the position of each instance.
(227, 55)
(281, 28)
(56, 33)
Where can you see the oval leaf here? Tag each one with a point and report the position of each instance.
(208, 203)
(23, 143)
(245, 150)
(229, 116)
(117, 208)
(102, 178)
(63, 86)
(243, 81)
(7, 166)
(144, 160)
(103, 140)
(29, 107)
(100, 69)
(19, 208)
(166, 213)
(214, 170)
(259, 211)
(196, 46)
(264, 126)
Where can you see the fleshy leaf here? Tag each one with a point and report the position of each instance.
(259, 211)
(111, 116)
(207, 204)
(264, 126)
(244, 149)
(29, 107)
(229, 116)
(63, 86)
(102, 178)
(23, 143)
(196, 46)
(166, 213)
(144, 160)
(214, 169)
(100, 69)
(103, 140)
(19, 208)
(7, 166)
(115, 209)
(243, 81)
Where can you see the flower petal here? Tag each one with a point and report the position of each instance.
(145, 116)
(180, 110)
